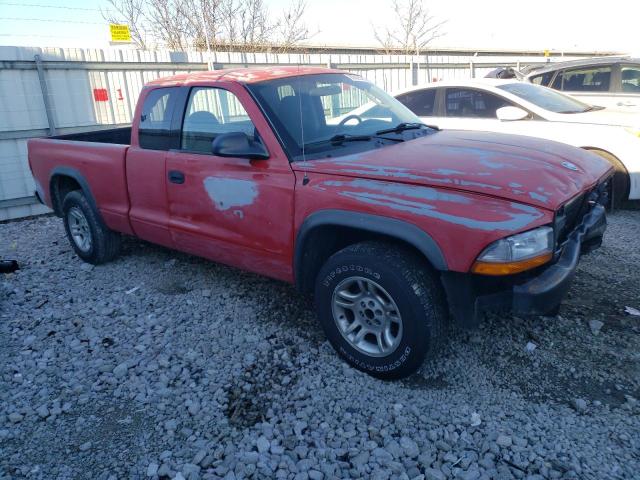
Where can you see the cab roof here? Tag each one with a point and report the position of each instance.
(242, 75)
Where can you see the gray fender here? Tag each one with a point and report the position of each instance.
(84, 185)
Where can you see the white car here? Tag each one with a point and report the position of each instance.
(510, 106)
(612, 82)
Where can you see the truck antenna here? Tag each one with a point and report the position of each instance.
(305, 178)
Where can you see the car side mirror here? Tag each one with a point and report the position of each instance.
(511, 114)
(238, 144)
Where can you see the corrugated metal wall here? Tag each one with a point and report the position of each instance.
(89, 89)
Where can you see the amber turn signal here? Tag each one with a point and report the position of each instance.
(509, 268)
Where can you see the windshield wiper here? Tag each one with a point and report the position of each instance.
(401, 127)
(342, 138)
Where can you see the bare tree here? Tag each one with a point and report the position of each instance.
(130, 12)
(256, 28)
(387, 43)
(204, 19)
(170, 24)
(292, 28)
(415, 27)
(246, 24)
(236, 24)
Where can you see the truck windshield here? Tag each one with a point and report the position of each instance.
(333, 114)
(546, 98)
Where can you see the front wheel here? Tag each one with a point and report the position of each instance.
(92, 241)
(381, 307)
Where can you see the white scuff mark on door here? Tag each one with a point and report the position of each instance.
(226, 193)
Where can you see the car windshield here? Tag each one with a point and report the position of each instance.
(328, 115)
(546, 98)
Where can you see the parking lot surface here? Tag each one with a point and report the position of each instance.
(164, 365)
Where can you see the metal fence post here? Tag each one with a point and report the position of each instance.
(472, 69)
(414, 73)
(45, 95)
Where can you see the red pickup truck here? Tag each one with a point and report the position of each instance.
(319, 178)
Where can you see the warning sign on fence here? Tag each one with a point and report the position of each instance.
(119, 33)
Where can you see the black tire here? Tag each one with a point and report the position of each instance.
(619, 189)
(409, 282)
(105, 243)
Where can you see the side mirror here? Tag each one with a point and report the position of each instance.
(238, 144)
(511, 114)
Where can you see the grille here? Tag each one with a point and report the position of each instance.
(569, 216)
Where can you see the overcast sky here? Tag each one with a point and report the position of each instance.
(496, 24)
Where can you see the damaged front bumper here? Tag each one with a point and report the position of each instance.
(537, 292)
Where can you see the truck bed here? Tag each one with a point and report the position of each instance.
(95, 161)
(118, 136)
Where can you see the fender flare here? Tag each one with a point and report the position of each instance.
(84, 185)
(387, 226)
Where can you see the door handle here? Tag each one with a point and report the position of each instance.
(176, 177)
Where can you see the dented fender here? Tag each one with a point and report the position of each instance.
(457, 225)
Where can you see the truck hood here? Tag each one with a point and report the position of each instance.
(522, 169)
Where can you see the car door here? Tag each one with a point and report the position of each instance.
(232, 210)
(152, 136)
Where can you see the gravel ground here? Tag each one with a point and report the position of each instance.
(164, 365)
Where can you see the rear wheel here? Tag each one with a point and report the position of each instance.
(619, 189)
(92, 241)
(381, 308)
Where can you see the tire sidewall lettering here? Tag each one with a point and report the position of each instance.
(349, 269)
(377, 368)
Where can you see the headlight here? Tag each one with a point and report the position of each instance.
(634, 131)
(516, 253)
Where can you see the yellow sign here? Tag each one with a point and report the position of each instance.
(119, 33)
(547, 53)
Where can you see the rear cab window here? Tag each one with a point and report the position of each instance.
(154, 129)
(584, 79)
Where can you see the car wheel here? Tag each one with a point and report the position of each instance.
(619, 190)
(92, 241)
(381, 307)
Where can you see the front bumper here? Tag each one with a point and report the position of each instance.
(536, 292)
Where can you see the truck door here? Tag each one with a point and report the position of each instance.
(151, 137)
(232, 210)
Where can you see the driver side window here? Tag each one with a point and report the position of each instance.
(468, 103)
(209, 113)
